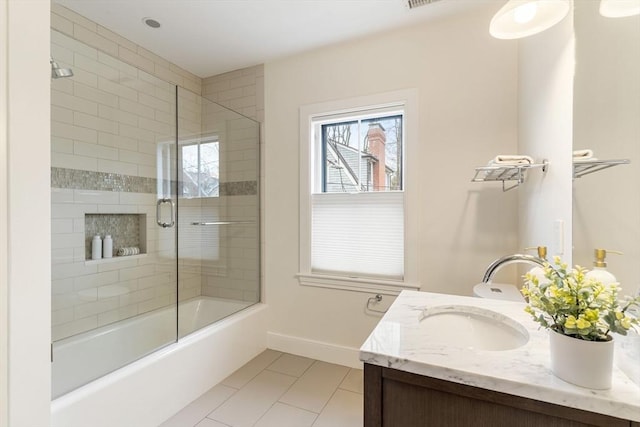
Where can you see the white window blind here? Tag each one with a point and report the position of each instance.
(359, 234)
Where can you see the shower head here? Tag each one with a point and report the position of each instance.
(57, 72)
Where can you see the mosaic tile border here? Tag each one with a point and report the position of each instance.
(102, 181)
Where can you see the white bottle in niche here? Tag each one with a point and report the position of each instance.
(96, 247)
(107, 247)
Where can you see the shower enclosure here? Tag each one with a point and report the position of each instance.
(172, 178)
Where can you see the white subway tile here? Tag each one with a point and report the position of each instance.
(71, 161)
(137, 272)
(72, 328)
(61, 226)
(117, 209)
(156, 103)
(96, 196)
(116, 38)
(136, 133)
(94, 151)
(159, 302)
(129, 198)
(93, 65)
(62, 24)
(64, 130)
(147, 171)
(113, 266)
(61, 316)
(91, 309)
(72, 210)
(115, 88)
(67, 240)
(61, 114)
(157, 127)
(137, 108)
(130, 56)
(116, 115)
(95, 280)
(73, 102)
(126, 71)
(93, 122)
(118, 314)
(61, 195)
(92, 38)
(117, 141)
(92, 94)
(111, 166)
(61, 256)
(85, 77)
(148, 147)
(73, 44)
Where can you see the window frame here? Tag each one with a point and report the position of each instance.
(199, 142)
(407, 100)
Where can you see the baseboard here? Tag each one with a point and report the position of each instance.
(326, 352)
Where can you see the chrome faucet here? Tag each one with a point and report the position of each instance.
(511, 259)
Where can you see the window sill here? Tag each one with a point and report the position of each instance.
(386, 287)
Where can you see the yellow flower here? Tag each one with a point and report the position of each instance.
(582, 323)
(570, 323)
(592, 315)
(625, 322)
(619, 315)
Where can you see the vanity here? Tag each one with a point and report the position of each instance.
(417, 373)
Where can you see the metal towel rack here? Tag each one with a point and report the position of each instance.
(223, 223)
(506, 173)
(590, 166)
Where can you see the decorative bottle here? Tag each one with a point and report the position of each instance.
(599, 271)
(96, 247)
(107, 247)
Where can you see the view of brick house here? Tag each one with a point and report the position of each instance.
(370, 164)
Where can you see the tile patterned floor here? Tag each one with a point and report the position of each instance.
(279, 390)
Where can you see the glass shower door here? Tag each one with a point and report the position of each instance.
(113, 138)
(218, 213)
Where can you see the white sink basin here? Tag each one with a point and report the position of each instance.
(472, 327)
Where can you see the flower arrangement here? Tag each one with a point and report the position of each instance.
(573, 305)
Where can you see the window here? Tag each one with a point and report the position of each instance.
(362, 154)
(353, 199)
(200, 169)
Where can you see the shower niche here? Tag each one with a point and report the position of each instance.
(128, 231)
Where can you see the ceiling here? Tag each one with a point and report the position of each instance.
(209, 37)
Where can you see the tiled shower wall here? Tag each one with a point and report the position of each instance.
(106, 123)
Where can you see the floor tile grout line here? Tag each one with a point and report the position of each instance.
(221, 403)
(334, 392)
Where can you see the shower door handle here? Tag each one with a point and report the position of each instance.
(158, 208)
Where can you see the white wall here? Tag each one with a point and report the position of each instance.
(25, 325)
(546, 66)
(467, 84)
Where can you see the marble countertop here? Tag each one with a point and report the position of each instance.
(398, 342)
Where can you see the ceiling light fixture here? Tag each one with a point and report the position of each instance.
(619, 8)
(150, 22)
(522, 18)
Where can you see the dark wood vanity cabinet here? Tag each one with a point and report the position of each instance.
(394, 398)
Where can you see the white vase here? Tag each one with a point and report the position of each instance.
(584, 363)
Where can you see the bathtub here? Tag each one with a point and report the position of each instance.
(150, 389)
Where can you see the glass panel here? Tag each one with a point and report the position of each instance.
(218, 212)
(113, 133)
(363, 154)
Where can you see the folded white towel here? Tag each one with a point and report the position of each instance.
(128, 251)
(583, 155)
(511, 159)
